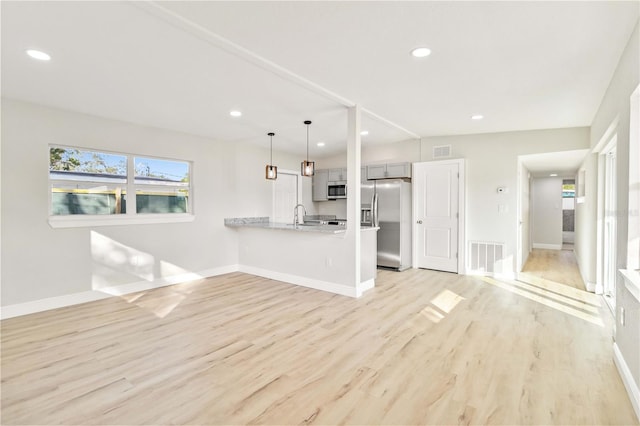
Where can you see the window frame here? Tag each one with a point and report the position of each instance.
(131, 216)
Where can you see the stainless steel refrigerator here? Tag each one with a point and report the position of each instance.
(387, 203)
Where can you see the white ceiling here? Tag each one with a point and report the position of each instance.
(184, 65)
(564, 164)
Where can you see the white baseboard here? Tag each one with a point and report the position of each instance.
(589, 285)
(56, 302)
(120, 290)
(627, 379)
(330, 287)
(49, 303)
(547, 246)
(364, 286)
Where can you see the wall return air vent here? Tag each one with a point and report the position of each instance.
(485, 258)
(442, 151)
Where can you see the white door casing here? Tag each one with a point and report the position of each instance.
(437, 201)
(285, 197)
(609, 261)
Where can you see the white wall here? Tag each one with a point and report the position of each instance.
(492, 161)
(317, 260)
(615, 108)
(585, 234)
(41, 262)
(546, 203)
(396, 152)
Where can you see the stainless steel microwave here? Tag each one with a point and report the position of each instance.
(336, 190)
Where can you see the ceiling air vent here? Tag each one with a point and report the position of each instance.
(442, 151)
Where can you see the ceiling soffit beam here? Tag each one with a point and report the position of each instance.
(235, 49)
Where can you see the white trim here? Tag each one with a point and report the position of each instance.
(78, 221)
(627, 379)
(604, 141)
(589, 285)
(547, 246)
(120, 290)
(632, 282)
(298, 176)
(56, 302)
(49, 303)
(344, 290)
(364, 286)
(26, 308)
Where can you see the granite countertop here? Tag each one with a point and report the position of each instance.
(264, 223)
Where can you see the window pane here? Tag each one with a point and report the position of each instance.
(151, 171)
(162, 200)
(87, 182)
(68, 198)
(568, 190)
(86, 164)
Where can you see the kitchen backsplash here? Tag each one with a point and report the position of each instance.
(337, 208)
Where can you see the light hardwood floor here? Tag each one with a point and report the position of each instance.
(554, 265)
(423, 347)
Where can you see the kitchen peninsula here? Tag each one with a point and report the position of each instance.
(316, 256)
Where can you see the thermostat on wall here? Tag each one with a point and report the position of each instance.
(502, 190)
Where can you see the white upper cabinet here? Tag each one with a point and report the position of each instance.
(399, 170)
(337, 175)
(377, 171)
(389, 171)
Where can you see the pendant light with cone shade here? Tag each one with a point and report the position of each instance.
(307, 167)
(271, 171)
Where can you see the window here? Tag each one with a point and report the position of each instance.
(568, 189)
(97, 184)
(162, 186)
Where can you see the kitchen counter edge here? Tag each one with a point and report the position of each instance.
(264, 223)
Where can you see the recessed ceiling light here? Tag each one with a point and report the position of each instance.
(364, 133)
(36, 54)
(420, 52)
(477, 117)
(235, 113)
(320, 144)
(553, 174)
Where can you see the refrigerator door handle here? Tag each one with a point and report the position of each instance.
(374, 210)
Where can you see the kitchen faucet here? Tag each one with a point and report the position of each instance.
(296, 220)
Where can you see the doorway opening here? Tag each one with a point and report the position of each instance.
(546, 218)
(568, 213)
(286, 193)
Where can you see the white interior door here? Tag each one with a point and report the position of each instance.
(285, 197)
(436, 187)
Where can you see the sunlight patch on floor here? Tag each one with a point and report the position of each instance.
(550, 299)
(560, 288)
(440, 306)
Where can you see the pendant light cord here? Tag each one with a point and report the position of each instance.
(307, 143)
(271, 151)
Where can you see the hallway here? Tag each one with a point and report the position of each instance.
(559, 266)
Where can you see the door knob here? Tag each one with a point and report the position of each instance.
(420, 222)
